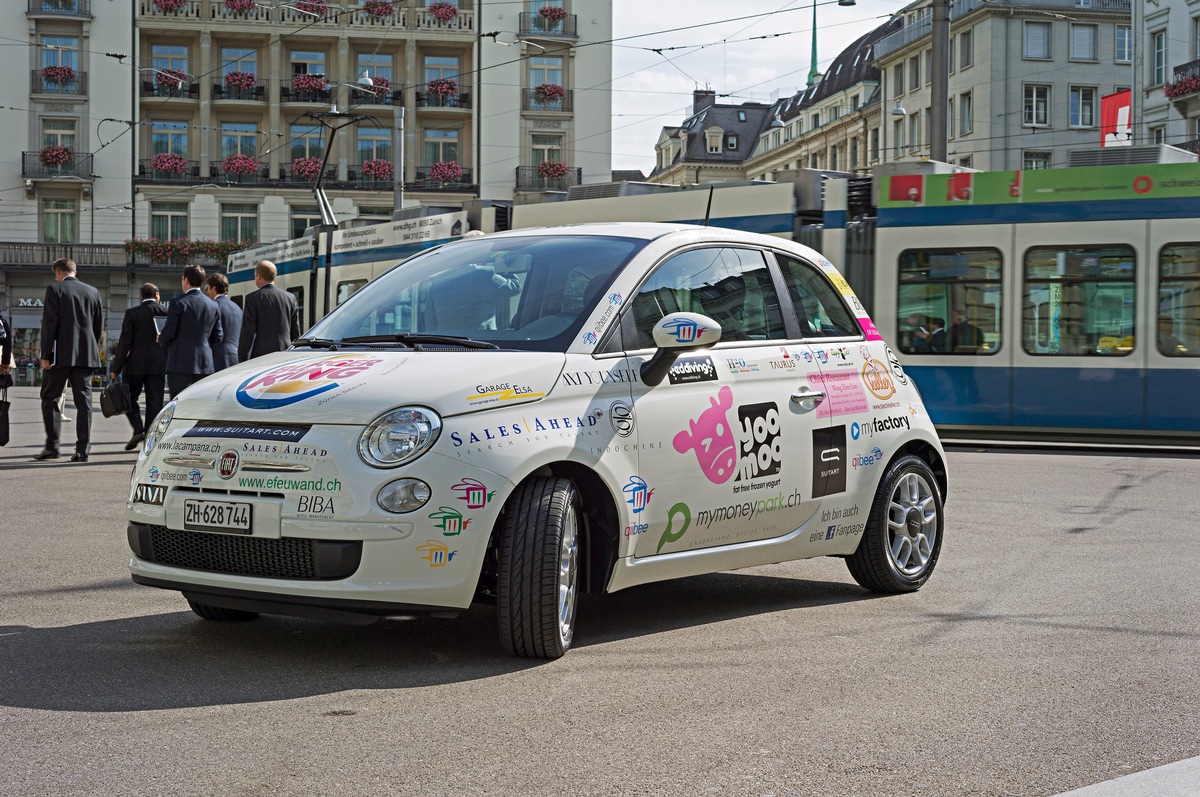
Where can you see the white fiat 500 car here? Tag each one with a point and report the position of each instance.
(524, 416)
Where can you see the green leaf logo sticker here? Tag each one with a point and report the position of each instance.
(670, 535)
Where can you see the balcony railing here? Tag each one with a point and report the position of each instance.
(80, 166)
(1190, 69)
(189, 10)
(152, 88)
(255, 93)
(377, 97)
(528, 179)
(533, 24)
(426, 99)
(289, 94)
(424, 183)
(148, 174)
(288, 177)
(1192, 146)
(77, 86)
(218, 11)
(39, 254)
(71, 8)
(463, 21)
(217, 171)
(531, 102)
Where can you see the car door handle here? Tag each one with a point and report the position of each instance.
(807, 394)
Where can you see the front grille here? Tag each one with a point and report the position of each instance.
(289, 557)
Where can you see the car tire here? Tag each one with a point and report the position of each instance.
(220, 614)
(903, 536)
(538, 576)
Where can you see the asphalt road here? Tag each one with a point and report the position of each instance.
(1055, 647)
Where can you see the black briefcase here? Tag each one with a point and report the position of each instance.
(115, 399)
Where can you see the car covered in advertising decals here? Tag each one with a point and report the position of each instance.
(521, 417)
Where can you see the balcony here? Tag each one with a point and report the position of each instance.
(61, 8)
(290, 178)
(532, 24)
(1192, 146)
(463, 21)
(78, 165)
(1184, 90)
(464, 184)
(260, 176)
(31, 254)
(530, 101)
(152, 88)
(377, 97)
(148, 174)
(459, 101)
(218, 11)
(77, 86)
(287, 93)
(255, 93)
(187, 9)
(528, 179)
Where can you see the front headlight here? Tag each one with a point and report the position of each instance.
(159, 429)
(399, 436)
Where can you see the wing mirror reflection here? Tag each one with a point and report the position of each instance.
(675, 334)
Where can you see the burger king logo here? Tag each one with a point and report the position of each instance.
(299, 380)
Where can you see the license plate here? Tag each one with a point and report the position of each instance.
(226, 516)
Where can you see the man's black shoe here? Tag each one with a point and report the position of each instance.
(46, 453)
(134, 442)
(79, 457)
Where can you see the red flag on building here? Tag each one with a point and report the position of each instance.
(1116, 128)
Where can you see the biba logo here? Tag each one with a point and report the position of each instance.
(228, 464)
(877, 379)
(296, 381)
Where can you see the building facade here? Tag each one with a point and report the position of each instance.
(1166, 96)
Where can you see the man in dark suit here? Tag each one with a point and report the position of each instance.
(72, 320)
(192, 333)
(141, 361)
(271, 320)
(216, 287)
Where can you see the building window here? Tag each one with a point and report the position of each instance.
(853, 164)
(58, 221)
(1035, 160)
(544, 69)
(307, 62)
(1158, 50)
(306, 141)
(368, 216)
(239, 59)
(174, 57)
(375, 65)
(1083, 43)
(1158, 135)
(966, 113)
(239, 138)
(1124, 41)
(546, 148)
(302, 217)
(1036, 111)
(1083, 107)
(60, 51)
(169, 137)
(168, 220)
(875, 144)
(816, 120)
(854, 102)
(714, 140)
(914, 131)
(1037, 40)
(833, 157)
(731, 142)
(898, 136)
(1196, 37)
(374, 143)
(440, 145)
(741, 116)
(950, 118)
(60, 132)
(928, 68)
(966, 50)
(967, 162)
(239, 222)
(898, 79)
(914, 73)
(442, 66)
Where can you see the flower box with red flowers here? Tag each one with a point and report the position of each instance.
(318, 7)
(380, 86)
(552, 13)
(240, 6)
(307, 168)
(171, 79)
(56, 155)
(1182, 87)
(309, 83)
(377, 169)
(170, 6)
(442, 86)
(549, 92)
(552, 169)
(239, 164)
(445, 172)
(442, 12)
(58, 74)
(169, 163)
(241, 81)
(378, 8)
(180, 250)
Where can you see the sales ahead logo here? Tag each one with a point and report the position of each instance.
(296, 381)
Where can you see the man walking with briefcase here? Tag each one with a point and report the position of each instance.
(141, 362)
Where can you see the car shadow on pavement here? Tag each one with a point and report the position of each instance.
(176, 660)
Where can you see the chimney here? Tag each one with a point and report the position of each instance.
(702, 99)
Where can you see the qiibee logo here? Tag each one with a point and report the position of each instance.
(299, 380)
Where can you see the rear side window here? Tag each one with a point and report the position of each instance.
(819, 309)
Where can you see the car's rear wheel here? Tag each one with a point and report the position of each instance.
(903, 537)
(220, 613)
(538, 580)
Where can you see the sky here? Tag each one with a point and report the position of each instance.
(653, 90)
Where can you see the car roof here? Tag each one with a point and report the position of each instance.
(651, 231)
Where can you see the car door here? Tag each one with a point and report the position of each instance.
(723, 450)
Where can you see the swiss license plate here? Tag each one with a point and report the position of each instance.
(226, 516)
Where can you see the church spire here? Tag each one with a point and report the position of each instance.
(813, 73)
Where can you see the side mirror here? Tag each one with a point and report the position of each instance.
(675, 334)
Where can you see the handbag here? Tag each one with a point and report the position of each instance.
(115, 399)
(4, 404)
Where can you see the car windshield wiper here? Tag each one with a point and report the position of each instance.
(416, 340)
(316, 343)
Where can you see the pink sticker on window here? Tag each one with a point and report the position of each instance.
(869, 330)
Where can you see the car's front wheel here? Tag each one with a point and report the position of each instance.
(903, 537)
(538, 580)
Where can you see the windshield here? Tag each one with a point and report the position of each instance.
(528, 292)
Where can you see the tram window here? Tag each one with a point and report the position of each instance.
(347, 289)
(1079, 300)
(949, 301)
(819, 310)
(298, 292)
(1178, 321)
